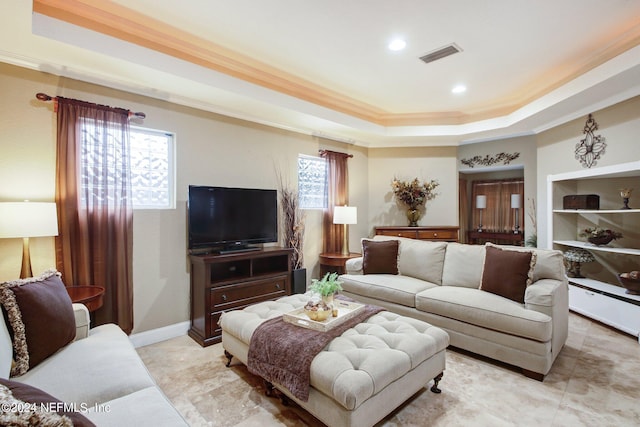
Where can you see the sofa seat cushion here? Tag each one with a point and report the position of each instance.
(93, 370)
(146, 407)
(486, 310)
(387, 287)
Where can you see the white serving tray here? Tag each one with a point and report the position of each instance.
(346, 311)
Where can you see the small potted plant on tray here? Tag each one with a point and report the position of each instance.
(327, 287)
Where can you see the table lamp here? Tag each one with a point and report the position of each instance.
(515, 204)
(345, 215)
(481, 203)
(24, 220)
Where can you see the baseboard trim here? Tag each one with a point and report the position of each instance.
(160, 334)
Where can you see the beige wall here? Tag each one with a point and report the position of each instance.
(210, 150)
(425, 163)
(618, 124)
(216, 150)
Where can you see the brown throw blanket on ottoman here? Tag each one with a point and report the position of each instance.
(282, 352)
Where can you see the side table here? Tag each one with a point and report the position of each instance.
(91, 296)
(334, 262)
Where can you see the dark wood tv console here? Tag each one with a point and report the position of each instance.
(233, 281)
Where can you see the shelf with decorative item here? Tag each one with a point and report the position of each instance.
(605, 288)
(592, 247)
(596, 211)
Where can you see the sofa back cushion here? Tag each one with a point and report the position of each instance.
(379, 257)
(420, 259)
(463, 265)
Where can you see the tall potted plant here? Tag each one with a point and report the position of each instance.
(293, 234)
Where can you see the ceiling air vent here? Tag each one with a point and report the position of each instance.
(440, 53)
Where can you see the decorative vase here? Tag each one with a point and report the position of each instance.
(413, 215)
(328, 299)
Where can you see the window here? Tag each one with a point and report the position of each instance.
(152, 169)
(151, 166)
(312, 182)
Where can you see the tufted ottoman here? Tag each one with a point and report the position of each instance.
(360, 376)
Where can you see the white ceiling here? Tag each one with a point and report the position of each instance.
(528, 65)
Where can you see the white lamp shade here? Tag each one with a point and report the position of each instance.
(515, 201)
(28, 219)
(481, 202)
(345, 215)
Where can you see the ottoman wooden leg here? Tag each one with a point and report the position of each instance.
(229, 356)
(270, 390)
(436, 380)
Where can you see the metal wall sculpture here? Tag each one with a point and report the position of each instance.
(591, 147)
(505, 158)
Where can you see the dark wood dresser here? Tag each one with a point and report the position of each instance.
(437, 233)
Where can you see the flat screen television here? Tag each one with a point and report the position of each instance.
(226, 219)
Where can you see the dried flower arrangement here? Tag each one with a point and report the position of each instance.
(292, 223)
(600, 236)
(413, 193)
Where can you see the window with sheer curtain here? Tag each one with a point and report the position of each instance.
(498, 216)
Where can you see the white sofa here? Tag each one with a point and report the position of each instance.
(100, 375)
(439, 283)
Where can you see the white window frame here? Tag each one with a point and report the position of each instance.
(300, 179)
(171, 137)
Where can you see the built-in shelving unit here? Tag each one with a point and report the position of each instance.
(600, 297)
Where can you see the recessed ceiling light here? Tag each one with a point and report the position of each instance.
(397, 44)
(459, 89)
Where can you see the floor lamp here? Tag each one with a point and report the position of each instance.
(24, 220)
(345, 215)
(515, 204)
(481, 204)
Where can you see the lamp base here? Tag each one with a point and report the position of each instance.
(26, 272)
(345, 241)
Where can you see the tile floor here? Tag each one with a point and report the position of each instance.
(594, 382)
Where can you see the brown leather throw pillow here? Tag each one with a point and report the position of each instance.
(40, 314)
(380, 257)
(507, 272)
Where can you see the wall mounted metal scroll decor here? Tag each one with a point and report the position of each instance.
(505, 158)
(589, 149)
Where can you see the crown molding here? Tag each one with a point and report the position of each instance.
(122, 23)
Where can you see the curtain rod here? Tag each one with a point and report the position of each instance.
(323, 152)
(46, 98)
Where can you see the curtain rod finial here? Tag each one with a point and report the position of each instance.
(43, 96)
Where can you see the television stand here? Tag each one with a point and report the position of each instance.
(237, 249)
(223, 282)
